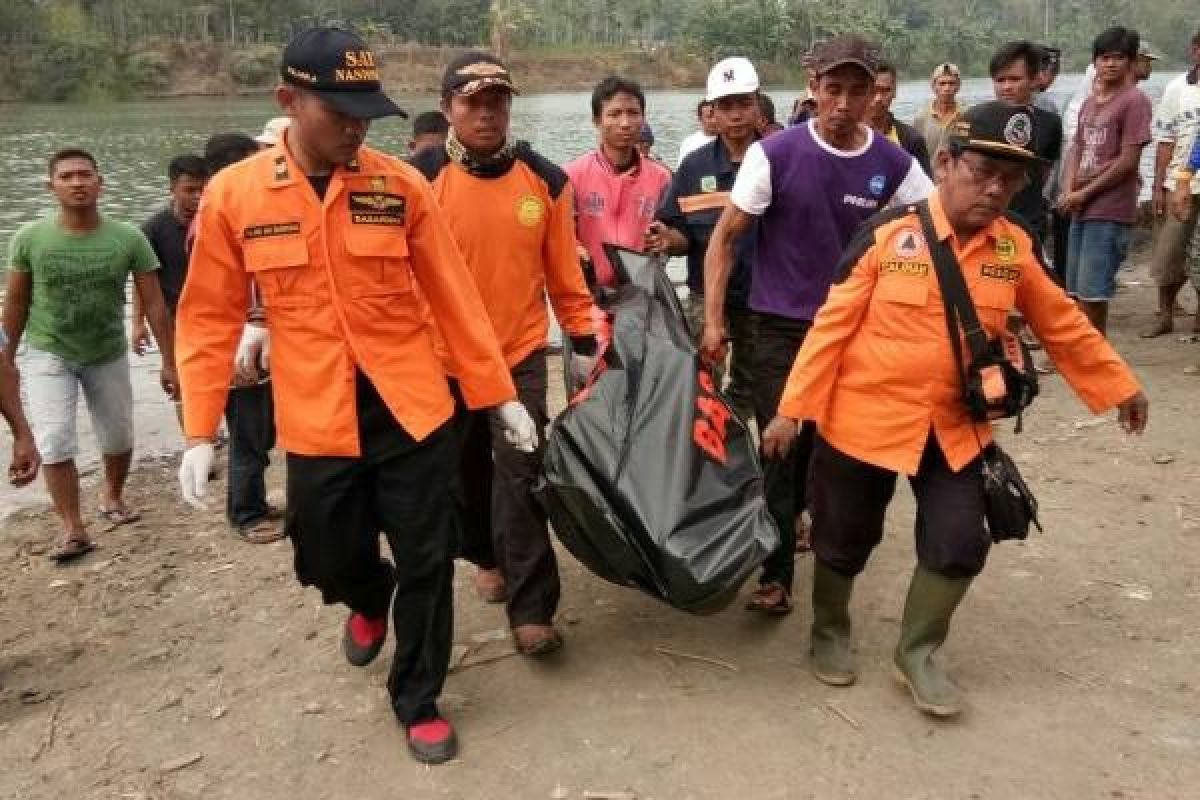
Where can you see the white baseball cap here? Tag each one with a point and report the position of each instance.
(731, 76)
(273, 130)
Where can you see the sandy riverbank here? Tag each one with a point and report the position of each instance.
(180, 663)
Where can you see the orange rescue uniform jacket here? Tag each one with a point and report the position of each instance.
(516, 232)
(877, 372)
(339, 281)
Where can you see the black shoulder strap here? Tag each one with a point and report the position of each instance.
(955, 297)
(550, 173)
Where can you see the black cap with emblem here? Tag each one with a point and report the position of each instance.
(338, 66)
(996, 129)
(475, 71)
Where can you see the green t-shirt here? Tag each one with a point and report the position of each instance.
(77, 310)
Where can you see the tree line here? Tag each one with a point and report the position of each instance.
(75, 41)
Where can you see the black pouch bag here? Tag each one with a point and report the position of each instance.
(1010, 506)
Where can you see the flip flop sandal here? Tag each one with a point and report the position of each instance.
(119, 516)
(70, 549)
(758, 602)
(262, 532)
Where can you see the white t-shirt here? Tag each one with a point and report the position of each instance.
(1176, 121)
(694, 141)
(752, 190)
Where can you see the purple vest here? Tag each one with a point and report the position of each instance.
(818, 200)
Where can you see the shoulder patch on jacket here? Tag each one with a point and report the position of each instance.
(430, 162)
(549, 172)
(864, 238)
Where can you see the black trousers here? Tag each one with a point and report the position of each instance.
(742, 324)
(849, 499)
(336, 509)
(503, 524)
(250, 417)
(778, 340)
(1060, 229)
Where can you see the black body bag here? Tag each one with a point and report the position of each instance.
(648, 477)
(998, 382)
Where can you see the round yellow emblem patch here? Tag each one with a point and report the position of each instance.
(529, 211)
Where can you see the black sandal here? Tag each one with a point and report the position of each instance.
(70, 549)
(264, 531)
(122, 515)
(758, 601)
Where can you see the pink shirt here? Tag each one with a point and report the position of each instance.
(614, 208)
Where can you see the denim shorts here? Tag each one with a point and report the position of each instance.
(1096, 250)
(52, 386)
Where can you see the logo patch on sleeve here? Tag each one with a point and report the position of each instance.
(376, 208)
(271, 229)
(908, 243)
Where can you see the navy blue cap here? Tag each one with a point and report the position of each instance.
(338, 66)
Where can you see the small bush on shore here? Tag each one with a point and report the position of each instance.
(254, 66)
(148, 71)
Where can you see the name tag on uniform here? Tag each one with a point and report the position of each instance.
(271, 229)
(376, 208)
(1001, 273)
(915, 268)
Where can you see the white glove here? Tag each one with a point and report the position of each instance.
(193, 473)
(581, 369)
(253, 353)
(519, 429)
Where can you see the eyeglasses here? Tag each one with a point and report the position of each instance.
(989, 172)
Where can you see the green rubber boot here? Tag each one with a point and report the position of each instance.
(931, 602)
(832, 655)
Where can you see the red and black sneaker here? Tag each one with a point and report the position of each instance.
(363, 639)
(432, 741)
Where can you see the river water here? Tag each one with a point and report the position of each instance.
(134, 141)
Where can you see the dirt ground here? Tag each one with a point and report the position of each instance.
(179, 663)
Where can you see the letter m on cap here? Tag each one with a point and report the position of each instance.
(728, 76)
